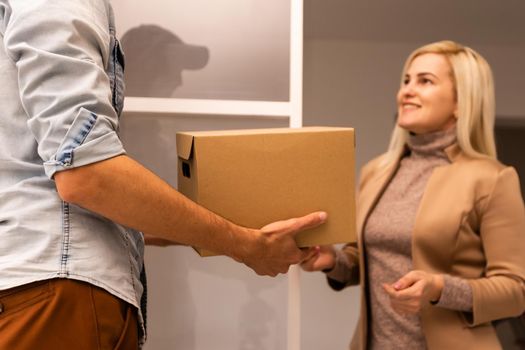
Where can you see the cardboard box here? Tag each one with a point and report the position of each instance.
(255, 177)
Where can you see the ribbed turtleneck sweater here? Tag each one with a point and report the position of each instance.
(387, 240)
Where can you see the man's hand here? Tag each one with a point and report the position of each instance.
(273, 249)
(323, 258)
(414, 290)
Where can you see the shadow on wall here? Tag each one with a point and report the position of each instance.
(258, 326)
(155, 59)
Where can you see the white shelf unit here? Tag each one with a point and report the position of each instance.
(211, 107)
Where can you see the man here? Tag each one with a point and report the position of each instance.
(73, 204)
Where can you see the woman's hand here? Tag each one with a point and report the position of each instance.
(411, 292)
(323, 258)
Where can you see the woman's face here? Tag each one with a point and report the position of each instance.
(426, 100)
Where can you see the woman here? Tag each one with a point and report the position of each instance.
(441, 222)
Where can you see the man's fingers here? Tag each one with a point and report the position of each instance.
(281, 249)
(309, 221)
(308, 253)
(296, 225)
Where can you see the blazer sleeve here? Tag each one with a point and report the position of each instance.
(346, 270)
(501, 292)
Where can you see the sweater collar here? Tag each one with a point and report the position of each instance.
(435, 144)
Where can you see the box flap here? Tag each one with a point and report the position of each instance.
(245, 132)
(184, 145)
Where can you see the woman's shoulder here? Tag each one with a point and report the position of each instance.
(484, 176)
(482, 166)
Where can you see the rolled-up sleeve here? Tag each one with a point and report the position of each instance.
(61, 49)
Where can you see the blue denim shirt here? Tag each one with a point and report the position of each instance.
(61, 94)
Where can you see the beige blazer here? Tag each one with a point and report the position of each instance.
(470, 223)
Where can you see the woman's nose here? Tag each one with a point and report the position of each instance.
(408, 89)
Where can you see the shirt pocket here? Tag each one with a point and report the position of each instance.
(116, 74)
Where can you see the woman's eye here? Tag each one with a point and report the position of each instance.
(426, 81)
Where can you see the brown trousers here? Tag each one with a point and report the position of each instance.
(63, 314)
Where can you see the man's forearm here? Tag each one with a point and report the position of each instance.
(124, 191)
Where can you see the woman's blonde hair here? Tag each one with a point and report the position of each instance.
(474, 90)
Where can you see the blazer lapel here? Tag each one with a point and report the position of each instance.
(371, 193)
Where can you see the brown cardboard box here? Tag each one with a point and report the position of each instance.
(254, 177)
